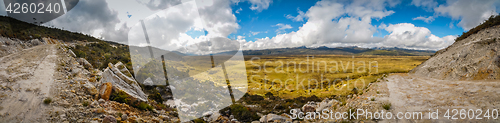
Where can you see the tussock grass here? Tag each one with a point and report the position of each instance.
(387, 106)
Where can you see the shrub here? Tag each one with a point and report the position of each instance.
(85, 103)
(199, 120)
(156, 97)
(144, 106)
(241, 113)
(47, 100)
(120, 96)
(373, 99)
(386, 106)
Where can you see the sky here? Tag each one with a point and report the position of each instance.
(266, 24)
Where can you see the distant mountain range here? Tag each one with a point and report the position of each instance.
(323, 50)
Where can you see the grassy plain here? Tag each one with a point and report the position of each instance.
(303, 75)
(321, 75)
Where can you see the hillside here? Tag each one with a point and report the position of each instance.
(13, 28)
(476, 57)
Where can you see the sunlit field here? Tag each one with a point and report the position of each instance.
(321, 75)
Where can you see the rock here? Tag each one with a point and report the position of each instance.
(326, 104)
(148, 82)
(165, 117)
(131, 119)
(105, 90)
(90, 89)
(86, 64)
(231, 117)
(101, 101)
(273, 117)
(121, 79)
(99, 110)
(124, 117)
(23, 99)
(63, 116)
(64, 103)
(109, 119)
(71, 53)
(138, 120)
(309, 107)
(213, 117)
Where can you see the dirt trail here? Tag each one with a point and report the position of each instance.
(26, 79)
(409, 93)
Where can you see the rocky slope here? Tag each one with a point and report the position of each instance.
(46, 83)
(476, 57)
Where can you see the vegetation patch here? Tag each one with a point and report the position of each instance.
(241, 113)
(47, 100)
(387, 106)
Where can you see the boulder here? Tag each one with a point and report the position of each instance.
(109, 119)
(90, 89)
(309, 107)
(211, 117)
(122, 80)
(105, 90)
(124, 117)
(273, 117)
(86, 64)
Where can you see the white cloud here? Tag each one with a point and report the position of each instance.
(470, 13)
(282, 27)
(407, 35)
(327, 25)
(259, 5)
(253, 33)
(238, 11)
(239, 37)
(167, 28)
(88, 21)
(299, 17)
(425, 19)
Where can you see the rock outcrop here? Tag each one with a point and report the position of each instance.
(121, 80)
(476, 57)
(105, 91)
(9, 46)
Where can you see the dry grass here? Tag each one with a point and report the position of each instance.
(338, 69)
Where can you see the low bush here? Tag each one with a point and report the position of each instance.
(47, 100)
(120, 96)
(386, 106)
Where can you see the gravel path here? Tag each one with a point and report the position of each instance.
(408, 93)
(26, 79)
